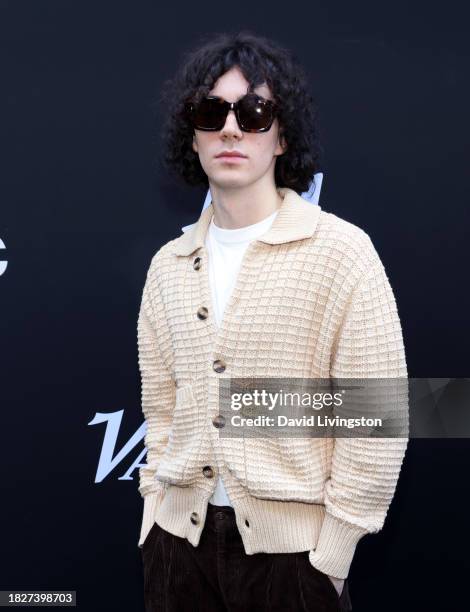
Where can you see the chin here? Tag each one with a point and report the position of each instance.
(229, 183)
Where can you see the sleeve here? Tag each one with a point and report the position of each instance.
(157, 396)
(364, 471)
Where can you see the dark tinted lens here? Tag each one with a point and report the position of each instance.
(255, 113)
(209, 114)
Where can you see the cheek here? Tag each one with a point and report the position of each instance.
(264, 147)
(206, 144)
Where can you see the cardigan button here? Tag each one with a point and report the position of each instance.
(218, 365)
(194, 518)
(218, 421)
(202, 312)
(197, 263)
(208, 471)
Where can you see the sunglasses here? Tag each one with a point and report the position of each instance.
(253, 113)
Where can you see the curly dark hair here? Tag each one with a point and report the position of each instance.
(261, 61)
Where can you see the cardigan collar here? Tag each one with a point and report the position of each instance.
(297, 219)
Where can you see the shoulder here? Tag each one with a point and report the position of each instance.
(164, 256)
(161, 265)
(344, 233)
(346, 242)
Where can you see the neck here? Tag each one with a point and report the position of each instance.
(239, 207)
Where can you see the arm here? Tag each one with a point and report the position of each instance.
(364, 471)
(157, 395)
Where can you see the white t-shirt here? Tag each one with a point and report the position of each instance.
(226, 248)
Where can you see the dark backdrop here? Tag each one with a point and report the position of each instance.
(83, 210)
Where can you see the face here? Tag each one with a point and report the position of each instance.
(261, 148)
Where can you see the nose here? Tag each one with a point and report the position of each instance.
(231, 125)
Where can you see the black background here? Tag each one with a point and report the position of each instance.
(82, 211)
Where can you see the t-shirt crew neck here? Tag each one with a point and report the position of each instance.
(241, 234)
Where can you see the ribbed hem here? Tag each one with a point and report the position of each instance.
(264, 525)
(277, 526)
(336, 546)
(269, 526)
(151, 503)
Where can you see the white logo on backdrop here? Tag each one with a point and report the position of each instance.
(3, 262)
(108, 460)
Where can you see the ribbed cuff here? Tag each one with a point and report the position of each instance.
(336, 547)
(151, 502)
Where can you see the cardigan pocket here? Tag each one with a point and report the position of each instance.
(179, 465)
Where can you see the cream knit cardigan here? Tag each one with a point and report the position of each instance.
(311, 300)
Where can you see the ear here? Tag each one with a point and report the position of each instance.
(194, 143)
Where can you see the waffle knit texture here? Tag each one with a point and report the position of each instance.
(311, 300)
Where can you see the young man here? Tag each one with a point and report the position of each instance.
(263, 285)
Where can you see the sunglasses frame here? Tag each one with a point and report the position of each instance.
(228, 106)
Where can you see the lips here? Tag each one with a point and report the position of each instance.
(230, 154)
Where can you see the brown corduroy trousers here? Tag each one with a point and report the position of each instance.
(218, 576)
